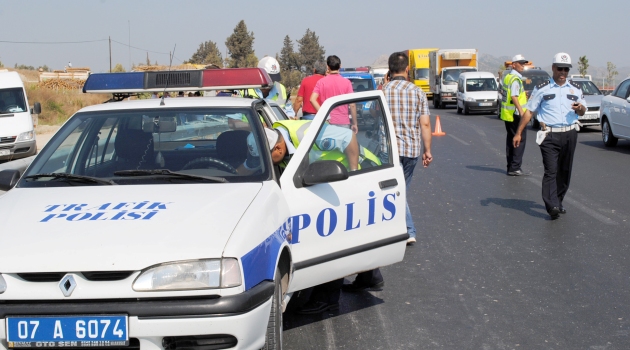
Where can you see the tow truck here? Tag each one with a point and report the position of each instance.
(137, 228)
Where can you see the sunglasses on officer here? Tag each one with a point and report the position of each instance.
(563, 69)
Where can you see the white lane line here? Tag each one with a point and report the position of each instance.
(458, 139)
(599, 217)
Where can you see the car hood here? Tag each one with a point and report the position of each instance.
(593, 100)
(16, 124)
(123, 228)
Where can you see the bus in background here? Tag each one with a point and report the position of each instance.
(419, 69)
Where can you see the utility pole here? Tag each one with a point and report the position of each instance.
(129, 24)
(110, 54)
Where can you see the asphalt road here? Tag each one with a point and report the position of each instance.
(490, 270)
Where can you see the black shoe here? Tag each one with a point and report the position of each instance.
(562, 210)
(355, 287)
(518, 172)
(316, 307)
(554, 213)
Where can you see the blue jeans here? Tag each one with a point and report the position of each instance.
(308, 116)
(409, 164)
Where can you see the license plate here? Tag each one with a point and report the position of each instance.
(67, 331)
(4, 152)
(590, 116)
(483, 104)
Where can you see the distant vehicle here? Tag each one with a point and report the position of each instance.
(419, 69)
(613, 114)
(17, 126)
(445, 66)
(593, 97)
(361, 81)
(477, 92)
(379, 74)
(579, 76)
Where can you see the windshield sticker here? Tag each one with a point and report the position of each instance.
(144, 210)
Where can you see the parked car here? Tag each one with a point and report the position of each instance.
(593, 97)
(614, 114)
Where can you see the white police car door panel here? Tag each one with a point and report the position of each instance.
(357, 224)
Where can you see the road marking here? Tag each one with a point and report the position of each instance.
(458, 139)
(599, 217)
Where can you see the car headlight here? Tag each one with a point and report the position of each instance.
(470, 99)
(26, 136)
(190, 275)
(3, 284)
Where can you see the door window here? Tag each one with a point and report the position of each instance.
(370, 148)
(622, 90)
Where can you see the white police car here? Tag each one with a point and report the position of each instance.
(133, 228)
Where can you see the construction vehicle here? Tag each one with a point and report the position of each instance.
(419, 69)
(445, 66)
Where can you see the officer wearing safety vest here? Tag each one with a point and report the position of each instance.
(332, 143)
(276, 93)
(512, 108)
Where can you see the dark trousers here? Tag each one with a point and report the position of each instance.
(329, 292)
(514, 155)
(557, 152)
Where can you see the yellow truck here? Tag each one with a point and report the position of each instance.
(445, 66)
(419, 68)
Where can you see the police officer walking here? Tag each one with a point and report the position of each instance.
(558, 103)
(512, 108)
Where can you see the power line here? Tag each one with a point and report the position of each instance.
(51, 42)
(138, 48)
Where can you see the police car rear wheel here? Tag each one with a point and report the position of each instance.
(273, 338)
(209, 162)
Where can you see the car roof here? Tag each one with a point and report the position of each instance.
(356, 75)
(476, 75)
(172, 102)
(533, 72)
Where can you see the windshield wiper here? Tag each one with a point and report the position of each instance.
(72, 177)
(169, 173)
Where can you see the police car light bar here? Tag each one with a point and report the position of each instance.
(158, 81)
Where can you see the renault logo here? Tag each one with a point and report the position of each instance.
(67, 285)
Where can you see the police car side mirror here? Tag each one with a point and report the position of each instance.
(324, 171)
(8, 179)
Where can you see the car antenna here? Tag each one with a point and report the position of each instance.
(168, 76)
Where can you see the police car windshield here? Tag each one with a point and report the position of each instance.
(359, 85)
(209, 142)
(588, 88)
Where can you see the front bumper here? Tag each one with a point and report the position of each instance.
(589, 119)
(448, 99)
(243, 316)
(474, 106)
(17, 150)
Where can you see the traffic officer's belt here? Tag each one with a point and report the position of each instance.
(562, 128)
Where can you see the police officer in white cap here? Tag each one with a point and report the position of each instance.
(277, 93)
(512, 108)
(558, 103)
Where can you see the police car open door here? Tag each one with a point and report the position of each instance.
(344, 220)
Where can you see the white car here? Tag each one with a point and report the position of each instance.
(614, 114)
(476, 92)
(134, 228)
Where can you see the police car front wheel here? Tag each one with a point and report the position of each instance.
(273, 338)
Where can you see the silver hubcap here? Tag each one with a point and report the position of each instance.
(605, 131)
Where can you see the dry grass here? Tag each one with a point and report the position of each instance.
(59, 104)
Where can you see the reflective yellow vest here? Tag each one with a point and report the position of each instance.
(280, 98)
(507, 106)
(298, 128)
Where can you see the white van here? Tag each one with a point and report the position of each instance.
(477, 91)
(17, 132)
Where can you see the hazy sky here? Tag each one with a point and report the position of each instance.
(356, 31)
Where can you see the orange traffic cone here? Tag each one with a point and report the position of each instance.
(438, 128)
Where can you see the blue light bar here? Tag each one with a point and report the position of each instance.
(114, 82)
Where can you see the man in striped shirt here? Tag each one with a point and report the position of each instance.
(410, 112)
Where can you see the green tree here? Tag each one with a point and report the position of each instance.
(240, 47)
(611, 73)
(207, 53)
(582, 65)
(118, 68)
(288, 58)
(310, 50)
